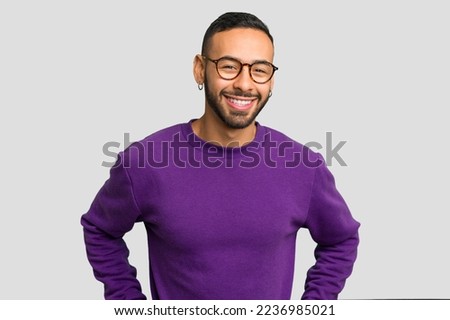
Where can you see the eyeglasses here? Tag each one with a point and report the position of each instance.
(229, 68)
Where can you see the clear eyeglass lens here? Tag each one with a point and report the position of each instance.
(261, 72)
(229, 69)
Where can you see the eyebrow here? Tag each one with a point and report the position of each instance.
(253, 62)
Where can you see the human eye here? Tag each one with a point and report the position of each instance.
(229, 65)
(261, 68)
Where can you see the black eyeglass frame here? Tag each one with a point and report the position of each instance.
(250, 65)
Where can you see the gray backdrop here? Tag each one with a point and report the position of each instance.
(75, 75)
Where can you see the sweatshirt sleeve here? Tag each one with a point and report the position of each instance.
(333, 228)
(112, 214)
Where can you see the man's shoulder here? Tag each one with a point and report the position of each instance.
(281, 137)
(165, 134)
(278, 135)
(286, 142)
(139, 149)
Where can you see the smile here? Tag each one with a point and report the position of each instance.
(240, 103)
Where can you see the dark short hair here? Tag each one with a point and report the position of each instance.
(232, 20)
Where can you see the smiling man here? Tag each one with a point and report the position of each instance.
(222, 197)
(234, 98)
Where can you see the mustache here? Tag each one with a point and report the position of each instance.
(241, 93)
(236, 92)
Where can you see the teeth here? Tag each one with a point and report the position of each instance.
(240, 102)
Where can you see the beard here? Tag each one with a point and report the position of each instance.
(234, 119)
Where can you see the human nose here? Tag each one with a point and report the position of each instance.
(244, 81)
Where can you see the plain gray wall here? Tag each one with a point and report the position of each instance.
(75, 75)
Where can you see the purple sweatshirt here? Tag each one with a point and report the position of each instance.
(221, 222)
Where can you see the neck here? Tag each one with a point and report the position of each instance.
(217, 132)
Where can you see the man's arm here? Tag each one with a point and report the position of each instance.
(333, 228)
(334, 264)
(113, 213)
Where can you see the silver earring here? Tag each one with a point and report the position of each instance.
(200, 86)
(270, 93)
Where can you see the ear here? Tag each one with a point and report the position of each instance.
(272, 82)
(199, 69)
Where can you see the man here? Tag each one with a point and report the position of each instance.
(222, 197)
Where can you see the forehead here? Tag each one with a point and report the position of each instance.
(242, 43)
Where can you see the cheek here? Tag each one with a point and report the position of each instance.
(264, 90)
(217, 86)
